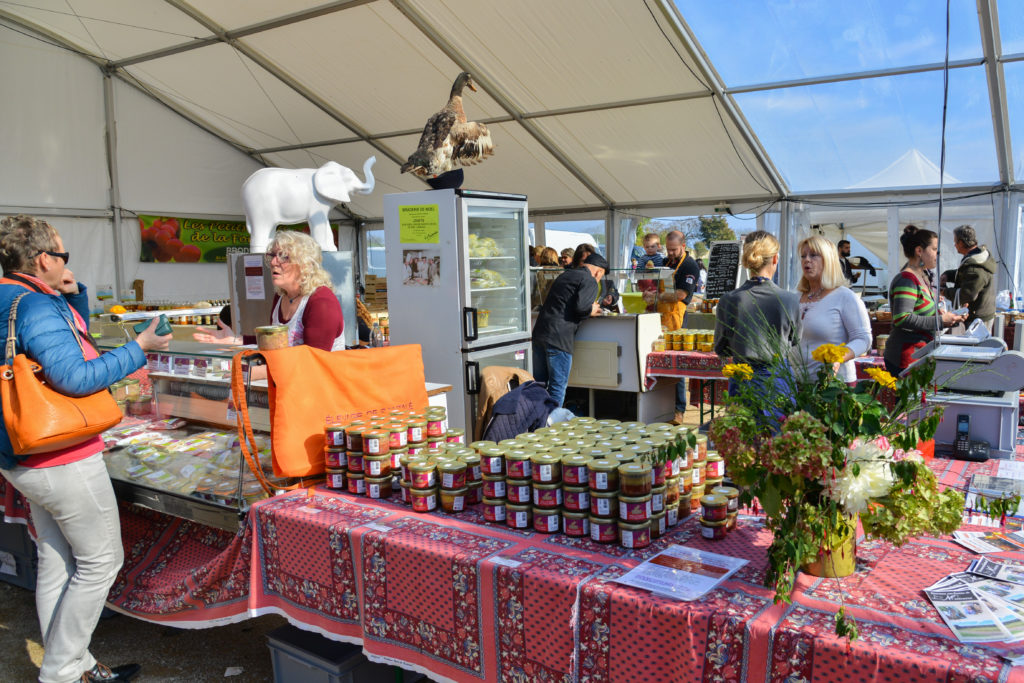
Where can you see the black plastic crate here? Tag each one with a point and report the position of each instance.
(305, 657)
(18, 569)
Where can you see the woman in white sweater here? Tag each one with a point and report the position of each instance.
(830, 312)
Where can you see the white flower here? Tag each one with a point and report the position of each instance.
(873, 478)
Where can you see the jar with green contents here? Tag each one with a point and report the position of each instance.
(603, 475)
(574, 469)
(547, 468)
(634, 478)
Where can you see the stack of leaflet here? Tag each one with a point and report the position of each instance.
(985, 604)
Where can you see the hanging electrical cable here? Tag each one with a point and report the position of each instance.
(942, 159)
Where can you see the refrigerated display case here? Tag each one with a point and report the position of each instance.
(458, 284)
(183, 457)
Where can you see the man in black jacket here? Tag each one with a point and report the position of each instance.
(973, 283)
(572, 298)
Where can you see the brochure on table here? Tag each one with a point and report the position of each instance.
(682, 573)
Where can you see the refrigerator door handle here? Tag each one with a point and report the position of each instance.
(472, 377)
(469, 328)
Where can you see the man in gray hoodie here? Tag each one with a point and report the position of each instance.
(973, 283)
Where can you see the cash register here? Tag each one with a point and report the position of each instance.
(979, 383)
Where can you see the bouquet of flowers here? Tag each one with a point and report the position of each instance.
(817, 453)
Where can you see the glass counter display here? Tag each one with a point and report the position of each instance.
(177, 449)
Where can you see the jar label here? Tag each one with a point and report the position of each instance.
(696, 476)
(357, 485)
(447, 479)
(415, 434)
(336, 481)
(672, 516)
(550, 522)
(661, 526)
(627, 539)
(373, 490)
(456, 439)
(499, 489)
(544, 472)
(459, 503)
(707, 531)
(336, 438)
(375, 466)
(603, 506)
(601, 480)
(494, 464)
(657, 501)
(595, 532)
(734, 504)
(499, 513)
(519, 519)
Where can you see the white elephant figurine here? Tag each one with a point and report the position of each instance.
(286, 196)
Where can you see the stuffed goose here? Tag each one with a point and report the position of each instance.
(448, 139)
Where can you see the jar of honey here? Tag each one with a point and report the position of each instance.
(634, 479)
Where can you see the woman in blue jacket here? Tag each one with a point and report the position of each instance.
(78, 533)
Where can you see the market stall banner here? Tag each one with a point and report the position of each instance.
(170, 239)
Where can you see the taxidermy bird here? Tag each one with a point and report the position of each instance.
(449, 139)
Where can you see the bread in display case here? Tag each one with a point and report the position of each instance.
(183, 456)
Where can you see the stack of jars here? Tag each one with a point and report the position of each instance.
(698, 471)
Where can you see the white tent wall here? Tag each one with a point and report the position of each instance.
(53, 128)
(169, 166)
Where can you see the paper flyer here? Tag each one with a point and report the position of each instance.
(682, 573)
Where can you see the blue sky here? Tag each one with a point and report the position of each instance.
(832, 136)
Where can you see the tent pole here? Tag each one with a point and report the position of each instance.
(115, 186)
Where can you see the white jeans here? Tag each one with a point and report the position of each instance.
(78, 536)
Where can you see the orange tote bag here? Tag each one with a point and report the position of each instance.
(309, 387)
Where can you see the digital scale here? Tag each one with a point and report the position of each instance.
(980, 382)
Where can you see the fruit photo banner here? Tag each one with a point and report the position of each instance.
(195, 240)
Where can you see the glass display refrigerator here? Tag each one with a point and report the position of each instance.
(458, 282)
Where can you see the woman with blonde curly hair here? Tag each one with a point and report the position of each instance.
(829, 310)
(304, 300)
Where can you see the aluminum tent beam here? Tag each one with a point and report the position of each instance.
(501, 98)
(284, 77)
(994, 76)
(709, 74)
(601, 106)
(854, 76)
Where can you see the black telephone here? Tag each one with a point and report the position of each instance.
(962, 445)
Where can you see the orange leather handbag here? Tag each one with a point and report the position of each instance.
(40, 419)
(310, 387)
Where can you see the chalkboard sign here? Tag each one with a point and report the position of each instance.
(723, 268)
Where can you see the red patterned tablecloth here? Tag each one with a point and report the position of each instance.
(464, 600)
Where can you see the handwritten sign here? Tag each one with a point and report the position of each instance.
(723, 268)
(419, 224)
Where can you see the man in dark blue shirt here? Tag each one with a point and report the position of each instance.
(571, 299)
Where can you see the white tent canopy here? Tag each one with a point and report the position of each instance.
(607, 107)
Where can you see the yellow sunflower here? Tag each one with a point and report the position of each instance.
(881, 376)
(829, 353)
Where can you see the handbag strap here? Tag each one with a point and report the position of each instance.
(11, 334)
(29, 284)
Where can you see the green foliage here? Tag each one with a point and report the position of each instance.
(820, 452)
(715, 228)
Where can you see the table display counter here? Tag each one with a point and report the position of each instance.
(179, 453)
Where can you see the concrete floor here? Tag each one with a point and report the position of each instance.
(166, 654)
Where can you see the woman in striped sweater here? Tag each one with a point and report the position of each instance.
(915, 321)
